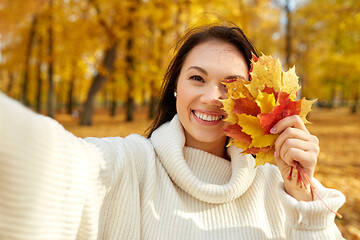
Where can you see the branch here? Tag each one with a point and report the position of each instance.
(102, 21)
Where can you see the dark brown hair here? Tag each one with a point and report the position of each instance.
(234, 35)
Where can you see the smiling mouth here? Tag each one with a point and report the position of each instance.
(208, 117)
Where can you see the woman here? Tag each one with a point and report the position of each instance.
(180, 183)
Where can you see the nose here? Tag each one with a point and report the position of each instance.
(213, 93)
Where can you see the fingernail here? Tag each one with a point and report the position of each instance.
(273, 130)
(275, 154)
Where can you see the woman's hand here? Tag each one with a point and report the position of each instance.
(295, 145)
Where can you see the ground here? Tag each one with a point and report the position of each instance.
(338, 163)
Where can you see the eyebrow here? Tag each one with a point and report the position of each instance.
(235, 76)
(206, 73)
(199, 69)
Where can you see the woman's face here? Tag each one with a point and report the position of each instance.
(199, 89)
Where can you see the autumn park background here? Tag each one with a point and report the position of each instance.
(97, 65)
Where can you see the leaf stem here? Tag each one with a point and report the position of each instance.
(301, 169)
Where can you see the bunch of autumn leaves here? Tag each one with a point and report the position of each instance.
(254, 107)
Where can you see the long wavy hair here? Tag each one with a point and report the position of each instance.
(231, 34)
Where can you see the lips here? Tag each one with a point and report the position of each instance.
(208, 116)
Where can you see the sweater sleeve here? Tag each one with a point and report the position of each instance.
(312, 220)
(52, 184)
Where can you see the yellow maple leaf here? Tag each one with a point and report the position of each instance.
(228, 107)
(305, 109)
(236, 88)
(289, 83)
(266, 71)
(251, 126)
(265, 157)
(238, 144)
(266, 102)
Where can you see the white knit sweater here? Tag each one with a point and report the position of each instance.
(56, 186)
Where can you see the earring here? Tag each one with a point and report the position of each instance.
(175, 94)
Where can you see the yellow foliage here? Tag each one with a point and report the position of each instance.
(265, 101)
(238, 144)
(266, 72)
(237, 89)
(305, 109)
(289, 82)
(251, 126)
(265, 157)
(228, 107)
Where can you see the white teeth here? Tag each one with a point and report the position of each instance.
(209, 118)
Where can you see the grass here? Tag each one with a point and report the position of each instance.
(338, 162)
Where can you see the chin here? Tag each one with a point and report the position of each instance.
(209, 138)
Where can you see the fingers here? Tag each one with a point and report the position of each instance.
(299, 153)
(293, 133)
(296, 138)
(295, 143)
(293, 121)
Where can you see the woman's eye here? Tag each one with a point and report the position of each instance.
(197, 78)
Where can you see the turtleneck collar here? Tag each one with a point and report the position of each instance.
(202, 175)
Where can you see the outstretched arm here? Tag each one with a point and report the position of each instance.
(49, 187)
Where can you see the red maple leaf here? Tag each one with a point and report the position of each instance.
(235, 131)
(247, 106)
(255, 59)
(270, 90)
(230, 80)
(284, 107)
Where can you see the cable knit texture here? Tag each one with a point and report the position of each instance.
(56, 186)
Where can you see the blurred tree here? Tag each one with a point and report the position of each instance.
(39, 62)
(128, 42)
(327, 40)
(17, 43)
(288, 34)
(105, 69)
(29, 47)
(130, 58)
(51, 59)
(159, 25)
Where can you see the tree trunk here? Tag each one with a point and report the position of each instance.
(70, 102)
(130, 65)
(25, 86)
(332, 96)
(113, 101)
(113, 108)
(98, 81)
(51, 96)
(70, 93)
(159, 61)
(38, 74)
(356, 100)
(152, 107)
(129, 77)
(129, 107)
(11, 83)
(288, 34)
(152, 104)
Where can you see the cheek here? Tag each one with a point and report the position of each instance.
(182, 102)
(184, 95)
